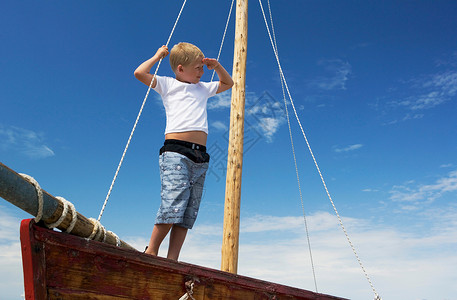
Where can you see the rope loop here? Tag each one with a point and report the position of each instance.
(97, 231)
(67, 205)
(74, 215)
(39, 192)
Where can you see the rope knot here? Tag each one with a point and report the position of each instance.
(189, 285)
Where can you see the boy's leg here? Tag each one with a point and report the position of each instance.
(159, 232)
(177, 237)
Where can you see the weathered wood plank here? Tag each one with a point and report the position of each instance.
(75, 268)
(61, 294)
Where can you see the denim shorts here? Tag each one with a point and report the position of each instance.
(182, 188)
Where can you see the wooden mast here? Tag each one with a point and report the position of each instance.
(230, 241)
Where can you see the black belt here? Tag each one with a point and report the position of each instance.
(189, 145)
(195, 152)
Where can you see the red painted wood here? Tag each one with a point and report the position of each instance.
(32, 263)
(62, 266)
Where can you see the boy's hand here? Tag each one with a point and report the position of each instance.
(162, 52)
(142, 73)
(225, 80)
(210, 63)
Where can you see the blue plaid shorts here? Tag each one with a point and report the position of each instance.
(182, 188)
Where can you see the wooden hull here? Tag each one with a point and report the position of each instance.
(62, 266)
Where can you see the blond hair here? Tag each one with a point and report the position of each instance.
(184, 54)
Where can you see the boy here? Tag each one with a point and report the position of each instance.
(183, 159)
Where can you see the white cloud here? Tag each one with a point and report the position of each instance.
(409, 116)
(428, 92)
(219, 126)
(446, 165)
(448, 61)
(370, 190)
(11, 283)
(337, 74)
(261, 223)
(347, 148)
(269, 127)
(413, 97)
(220, 101)
(266, 115)
(445, 184)
(445, 83)
(263, 113)
(412, 196)
(24, 141)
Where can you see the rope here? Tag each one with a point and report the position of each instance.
(67, 205)
(189, 290)
(118, 240)
(314, 159)
(223, 37)
(138, 117)
(39, 193)
(293, 152)
(74, 215)
(97, 231)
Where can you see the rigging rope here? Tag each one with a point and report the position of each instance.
(138, 117)
(293, 152)
(223, 37)
(312, 155)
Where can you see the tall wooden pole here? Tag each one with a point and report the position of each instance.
(230, 243)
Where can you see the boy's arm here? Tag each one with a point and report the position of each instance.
(225, 80)
(142, 73)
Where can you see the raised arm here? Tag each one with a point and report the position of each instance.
(225, 80)
(142, 73)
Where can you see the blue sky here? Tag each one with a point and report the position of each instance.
(375, 87)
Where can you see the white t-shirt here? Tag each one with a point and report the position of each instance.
(185, 103)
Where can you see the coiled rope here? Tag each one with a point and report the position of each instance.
(39, 192)
(98, 231)
(312, 155)
(67, 205)
(138, 117)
